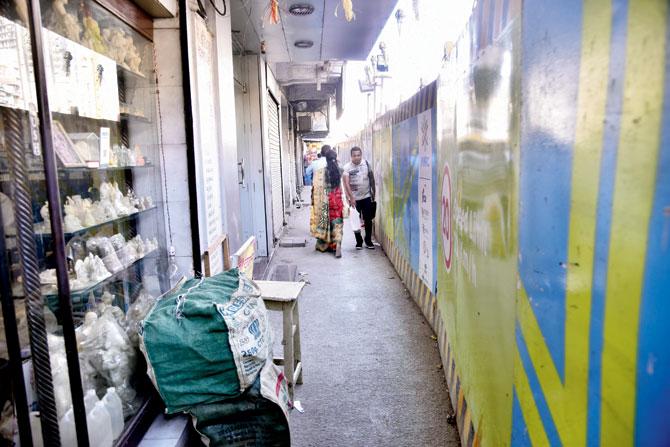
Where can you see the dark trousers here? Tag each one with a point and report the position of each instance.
(364, 207)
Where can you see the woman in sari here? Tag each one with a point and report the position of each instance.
(326, 218)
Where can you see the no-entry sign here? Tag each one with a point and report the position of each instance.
(447, 230)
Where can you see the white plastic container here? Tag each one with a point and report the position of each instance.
(36, 429)
(68, 432)
(90, 399)
(114, 407)
(100, 426)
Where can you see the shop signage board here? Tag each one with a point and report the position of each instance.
(207, 150)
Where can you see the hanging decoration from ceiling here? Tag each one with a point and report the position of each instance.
(274, 11)
(348, 7)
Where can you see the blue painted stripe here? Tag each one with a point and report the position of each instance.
(436, 184)
(538, 395)
(548, 125)
(492, 21)
(653, 362)
(617, 71)
(520, 436)
(479, 29)
(505, 13)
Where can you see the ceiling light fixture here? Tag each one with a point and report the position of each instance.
(301, 9)
(304, 44)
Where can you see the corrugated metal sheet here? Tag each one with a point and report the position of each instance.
(275, 166)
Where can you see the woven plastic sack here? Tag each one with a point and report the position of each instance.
(193, 356)
(258, 418)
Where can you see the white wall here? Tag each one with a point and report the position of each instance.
(222, 134)
(228, 132)
(173, 137)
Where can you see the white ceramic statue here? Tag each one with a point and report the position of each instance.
(44, 212)
(71, 224)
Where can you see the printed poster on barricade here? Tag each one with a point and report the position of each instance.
(425, 143)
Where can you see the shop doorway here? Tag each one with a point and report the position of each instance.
(249, 151)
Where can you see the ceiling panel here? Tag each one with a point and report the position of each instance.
(333, 37)
(303, 28)
(354, 40)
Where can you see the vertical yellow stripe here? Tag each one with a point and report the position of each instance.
(567, 401)
(448, 373)
(478, 439)
(466, 426)
(550, 381)
(592, 100)
(531, 416)
(633, 195)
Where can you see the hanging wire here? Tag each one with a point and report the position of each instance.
(161, 148)
(225, 9)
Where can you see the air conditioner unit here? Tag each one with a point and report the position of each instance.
(304, 123)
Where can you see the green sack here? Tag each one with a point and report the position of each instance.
(258, 418)
(187, 342)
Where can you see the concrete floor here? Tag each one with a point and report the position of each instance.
(371, 368)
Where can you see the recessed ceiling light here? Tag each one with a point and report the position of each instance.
(304, 43)
(301, 9)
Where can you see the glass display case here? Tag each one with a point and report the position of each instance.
(107, 244)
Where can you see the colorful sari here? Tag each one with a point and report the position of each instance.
(326, 218)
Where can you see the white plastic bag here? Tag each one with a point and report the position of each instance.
(354, 219)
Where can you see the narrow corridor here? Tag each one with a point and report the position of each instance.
(372, 372)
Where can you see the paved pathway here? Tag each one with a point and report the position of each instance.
(371, 367)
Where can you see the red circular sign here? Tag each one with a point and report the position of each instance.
(447, 230)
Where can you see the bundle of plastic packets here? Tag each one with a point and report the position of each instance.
(218, 328)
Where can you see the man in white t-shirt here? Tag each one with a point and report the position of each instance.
(359, 186)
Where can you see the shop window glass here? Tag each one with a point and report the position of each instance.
(100, 78)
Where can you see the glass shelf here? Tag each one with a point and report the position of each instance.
(134, 117)
(119, 220)
(38, 176)
(17, 289)
(114, 277)
(123, 70)
(106, 168)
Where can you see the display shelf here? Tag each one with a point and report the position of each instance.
(58, 116)
(106, 168)
(131, 122)
(17, 289)
(135, 117)
(64, 172)
(126, 71)
(119, 220)
(114, 277)
(32, 176)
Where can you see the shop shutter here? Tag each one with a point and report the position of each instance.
(275, 166)
(292, 173)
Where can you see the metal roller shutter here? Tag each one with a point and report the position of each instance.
(292, 175)
(275, 166)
